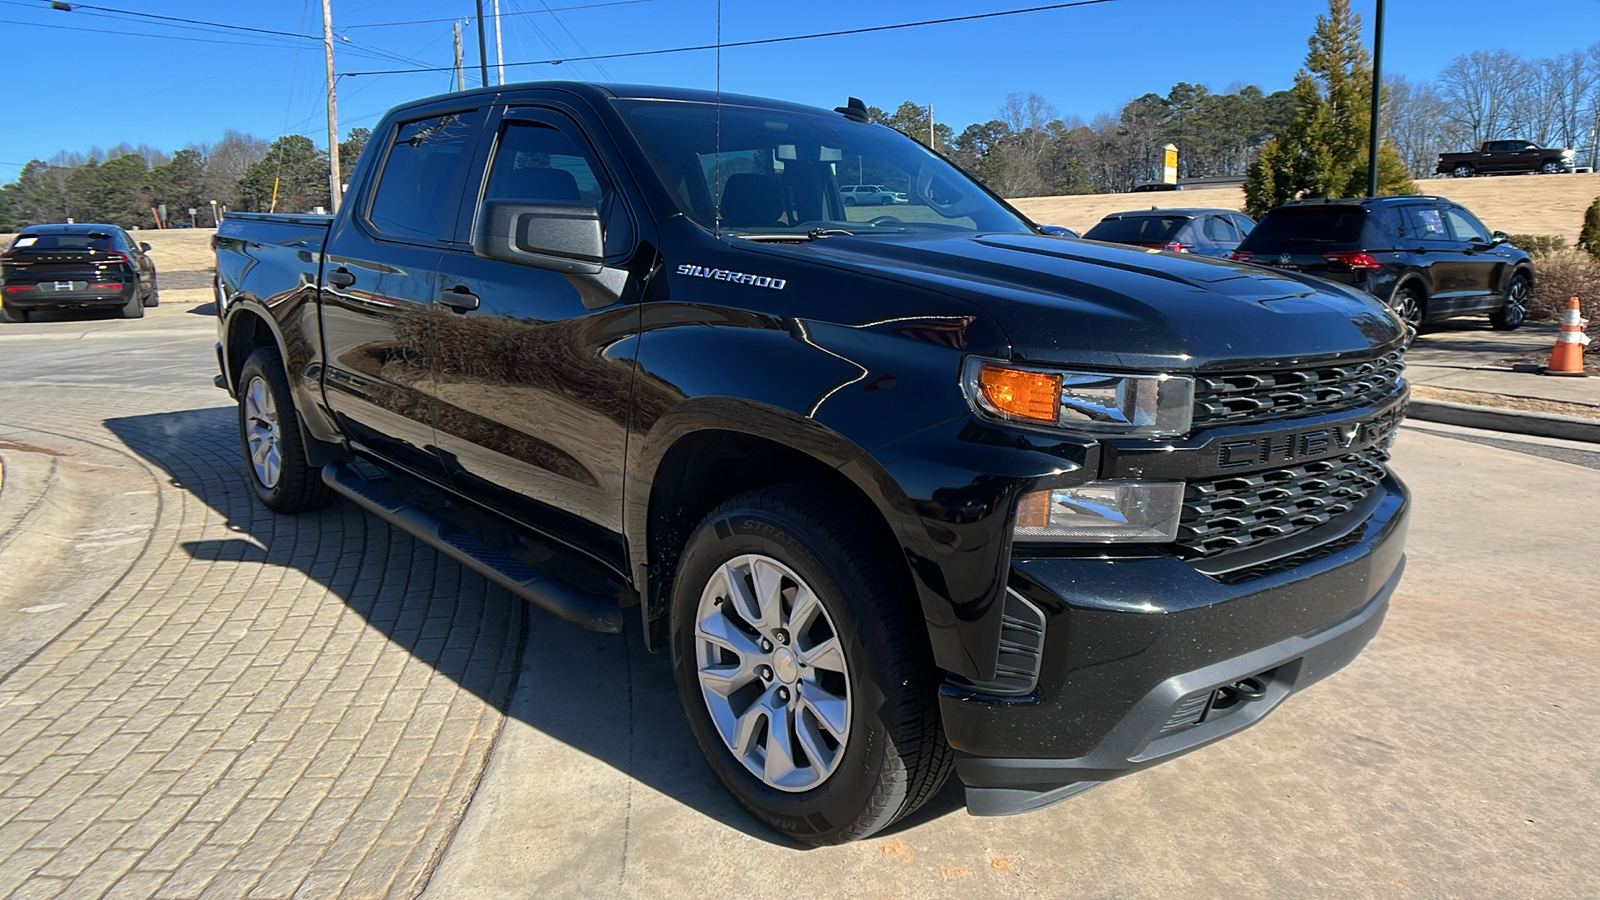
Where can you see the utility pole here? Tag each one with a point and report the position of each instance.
(499, 58)
(335, 183)
(931, 145)
(483, 50)
(1377, 102)
(461, 83)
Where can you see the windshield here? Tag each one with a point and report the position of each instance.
(786, 172)
(1138, 229)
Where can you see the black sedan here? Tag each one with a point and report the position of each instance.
(76, 266)
(1203, 232)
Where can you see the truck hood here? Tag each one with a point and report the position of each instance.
(1088, 303)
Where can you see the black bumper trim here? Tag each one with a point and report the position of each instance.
(999, 787)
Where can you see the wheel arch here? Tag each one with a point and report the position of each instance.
(248, 327)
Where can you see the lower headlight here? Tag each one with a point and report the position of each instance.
(1101, 511)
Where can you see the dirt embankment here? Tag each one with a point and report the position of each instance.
(1515, 204)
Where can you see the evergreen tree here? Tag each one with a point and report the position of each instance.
(1322, 152)
(1589, 237)
(292, 177)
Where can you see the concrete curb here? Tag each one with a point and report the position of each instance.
(1514, 421)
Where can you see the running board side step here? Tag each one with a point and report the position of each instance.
(595, 612)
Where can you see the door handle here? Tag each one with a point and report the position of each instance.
(340, 278)
(459, 299)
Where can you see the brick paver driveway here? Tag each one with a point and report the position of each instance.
(260, 706)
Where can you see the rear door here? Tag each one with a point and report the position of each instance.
(535, 366)
(1442, 256)
(381, 283)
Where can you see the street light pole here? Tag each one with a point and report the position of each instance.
(483, 49)
(1377, 102)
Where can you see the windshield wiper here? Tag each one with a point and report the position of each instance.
(794, 236)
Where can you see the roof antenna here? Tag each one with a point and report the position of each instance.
(854, 110)
(716, 171)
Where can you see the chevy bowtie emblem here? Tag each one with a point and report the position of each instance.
(1347, 434)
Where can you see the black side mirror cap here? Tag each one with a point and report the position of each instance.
(1058, 231)
(144, 246)
(1499, 237)
(560, 237)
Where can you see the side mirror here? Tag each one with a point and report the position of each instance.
(1499, 237)
(561, 237)
(144, 246)
(1058, 231)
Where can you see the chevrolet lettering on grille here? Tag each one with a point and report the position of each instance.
(1286, 447)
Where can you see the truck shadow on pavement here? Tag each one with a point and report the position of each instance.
(603, 695)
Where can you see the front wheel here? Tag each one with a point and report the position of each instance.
(269, 431)
(1550, 168)
(803, 666)
(1510, 316)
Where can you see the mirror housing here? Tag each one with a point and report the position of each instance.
(1499, 237)
(144, 246)
(560, 237)
(1058, 231)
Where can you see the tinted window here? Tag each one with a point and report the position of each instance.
(1281, 228)
(1138, 229)
(413, 194)
(1244, 223)
(63, 242)
(1465, 227)
(1221, 230)
(1425, 223)
(538, 163)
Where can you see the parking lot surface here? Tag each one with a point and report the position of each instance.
(229, 703)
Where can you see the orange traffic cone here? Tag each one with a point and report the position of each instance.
(1566, 358)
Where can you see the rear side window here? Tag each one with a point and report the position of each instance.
(538, 163)
(1282, 228)
(1138, 229)
(1219, 229)
(413, 194)
(1425, 223)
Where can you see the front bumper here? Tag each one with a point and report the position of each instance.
(1140, 658)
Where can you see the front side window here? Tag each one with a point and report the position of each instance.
(1466, 227)
(771, 171)
(537, 163)
(413, 194)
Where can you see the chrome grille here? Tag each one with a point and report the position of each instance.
(1251, 397)
(1237, 511)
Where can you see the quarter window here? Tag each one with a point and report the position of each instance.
(413, 194)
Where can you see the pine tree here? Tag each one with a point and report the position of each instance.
(1589, 237)
(1323, 150)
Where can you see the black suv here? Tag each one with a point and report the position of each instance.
(1203, 232)
(1428, 258)
(76, 266)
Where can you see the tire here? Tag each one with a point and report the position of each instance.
(134, 308)
(849, 201)
(269, 434)
(1550, 168)
(153, 299)
(1409, 304)
(1462, 170)
(868, 759)
(1511, 316)
(12, 314)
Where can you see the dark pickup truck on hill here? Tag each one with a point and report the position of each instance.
(1505, 158)
(901, 489)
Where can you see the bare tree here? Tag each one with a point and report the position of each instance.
(1417, 120)
(1482, 89)
(227, 161)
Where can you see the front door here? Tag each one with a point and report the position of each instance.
(535, 367)
(1484, 261)
(381, 283)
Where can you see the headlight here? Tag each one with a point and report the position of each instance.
(1106, 403)
(1146, 511)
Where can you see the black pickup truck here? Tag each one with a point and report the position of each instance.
(901, 489)
(1505, 158)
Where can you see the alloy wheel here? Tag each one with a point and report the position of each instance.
(772, 671)
(1410, 310)
(1516, 308)
(262, 432)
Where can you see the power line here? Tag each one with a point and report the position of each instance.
(762, 41)
(536, 12)
(143, 34)
(70, 7)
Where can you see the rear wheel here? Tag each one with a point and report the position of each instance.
(269, 431)
(154, 297)
(803, 667)
(1515, 310)
(12, 314)
(1409, 305)
(1462, 170)
(134, 308)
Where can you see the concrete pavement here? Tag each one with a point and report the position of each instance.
(263, 706)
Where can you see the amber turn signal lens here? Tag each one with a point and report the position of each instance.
(1022, 395)
(1033, 510)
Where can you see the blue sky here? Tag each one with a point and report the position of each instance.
(70, 89)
